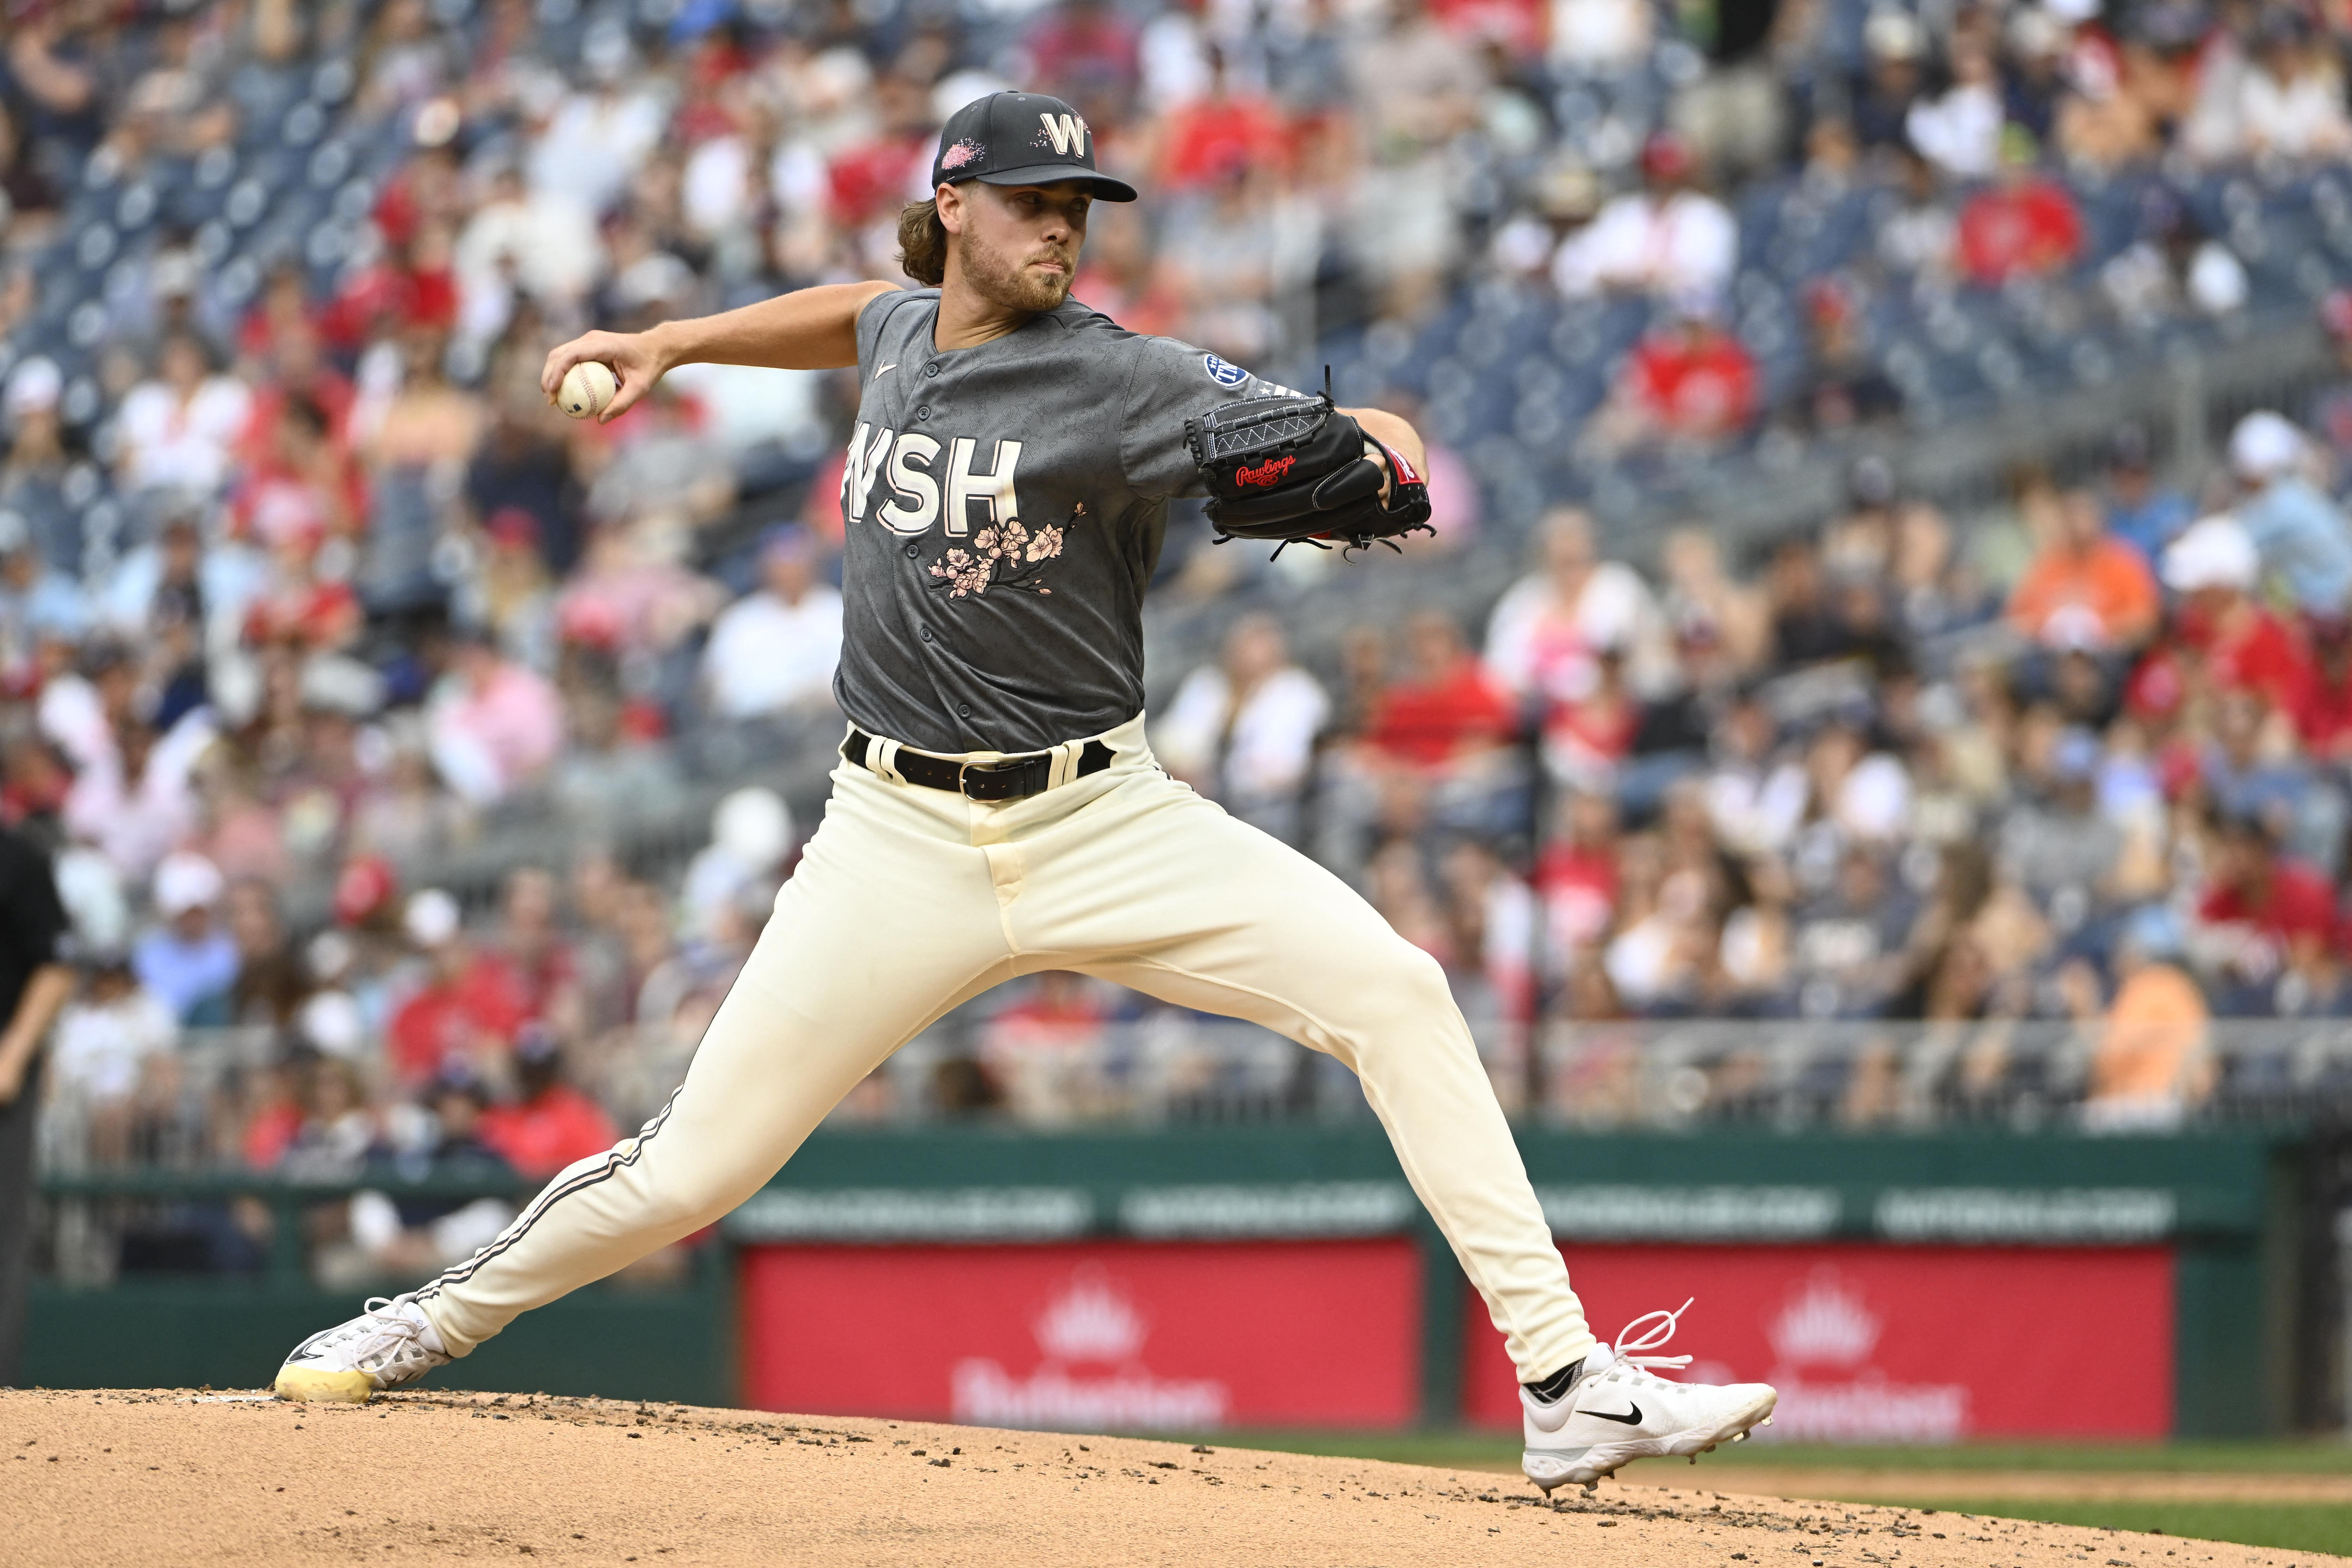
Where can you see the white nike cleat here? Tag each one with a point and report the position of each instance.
(1615, 1412)
(389, 1344)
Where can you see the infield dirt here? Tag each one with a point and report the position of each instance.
(93, 1479)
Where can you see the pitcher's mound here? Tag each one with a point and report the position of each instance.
(211, 1479)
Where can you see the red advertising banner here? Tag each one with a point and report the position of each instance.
(1089, 1337)
(1897, 1344)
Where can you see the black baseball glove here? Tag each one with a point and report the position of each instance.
(1294, 469)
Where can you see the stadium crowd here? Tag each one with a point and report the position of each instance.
(303, 584)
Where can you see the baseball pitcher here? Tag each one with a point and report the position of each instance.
(997, 811)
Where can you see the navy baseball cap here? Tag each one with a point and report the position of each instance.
(1020, 139)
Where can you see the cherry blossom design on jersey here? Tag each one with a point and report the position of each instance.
(1007, 557)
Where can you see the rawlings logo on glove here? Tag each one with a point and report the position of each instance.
(1295, 468)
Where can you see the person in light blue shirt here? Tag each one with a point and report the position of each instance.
(190, 961)
(2142, 512)
(38, 602)
(2304, 540)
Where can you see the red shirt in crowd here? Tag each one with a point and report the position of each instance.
(449, 1017)
(2299, 902)
(1579, 888)
(2253, 651)
(1430, 723)
(549, 1131)
(2025, 229)
(1695, 383)
(2325, 718)
(388, 292)
(1212, 137)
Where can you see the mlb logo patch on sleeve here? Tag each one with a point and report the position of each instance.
(1221, 372)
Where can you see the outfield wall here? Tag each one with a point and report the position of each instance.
(1919, 1286)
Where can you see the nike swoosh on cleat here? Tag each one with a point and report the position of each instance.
(1633, 1418)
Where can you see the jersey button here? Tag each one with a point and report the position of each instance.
(924, 411)
(963, 710)
(932, 368)
(926, 634)
(913, 551)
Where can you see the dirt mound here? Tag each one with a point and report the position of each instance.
(172, 1477)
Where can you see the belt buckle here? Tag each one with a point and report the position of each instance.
(963, 785)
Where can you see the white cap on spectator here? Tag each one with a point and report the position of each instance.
(185, 881)
(2264, 445)
(431, 918)
(36, 387)
(754, 826)
(331, 1022)
(1894, 34)
(2213, 552)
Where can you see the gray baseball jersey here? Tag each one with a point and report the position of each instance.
(1004, 507)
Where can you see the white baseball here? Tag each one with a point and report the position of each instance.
(587, 387)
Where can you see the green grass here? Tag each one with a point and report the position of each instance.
(2295, 1527)
(2292, 1527)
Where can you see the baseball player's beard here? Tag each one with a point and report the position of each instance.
(992, 274)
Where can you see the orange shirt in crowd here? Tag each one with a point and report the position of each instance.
(2106, 591)
(2154, 1025)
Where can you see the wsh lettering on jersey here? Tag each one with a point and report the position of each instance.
(920, 484)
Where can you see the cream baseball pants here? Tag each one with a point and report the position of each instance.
(910, 900)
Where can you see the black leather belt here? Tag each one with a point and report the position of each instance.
(1015, 778)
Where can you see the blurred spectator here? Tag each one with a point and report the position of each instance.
(1960, 130)
(2261, 915)
(2291, 102)
(2086, 589)
(494, 725)
(180, 429)
(740, 868)
(104, 1040)
(1040, 1049)
(2142, 512)
(2061, 846)
(465, 1011)
(190, 961)
(1446, 710)
(33, 475)
(2174, 269)
(410, 1235)
(551, 1123)
(1243, 731)
(1546, 634)
(2302, 536)
(774, 650)
(2150, 1065)
(1416, 89)
(1670, 240)
(2239, 645)
(39, 602)
(2024, 226)
(1846, 388)
(1688, 382)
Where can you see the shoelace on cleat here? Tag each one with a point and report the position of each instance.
(382, 1337)
(1625, 1352)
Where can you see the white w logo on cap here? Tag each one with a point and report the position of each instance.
(1067, 131)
